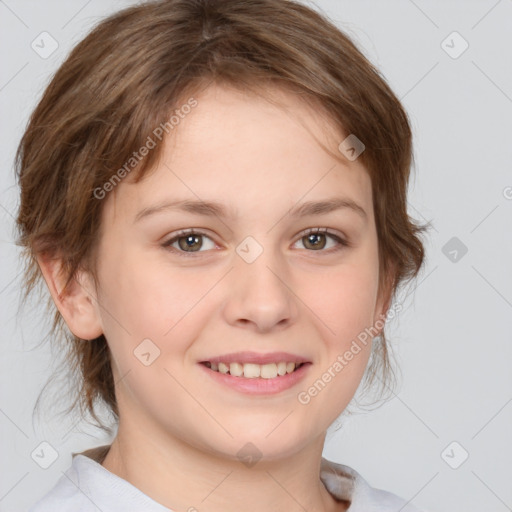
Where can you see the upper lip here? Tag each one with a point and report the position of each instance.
(256, 358)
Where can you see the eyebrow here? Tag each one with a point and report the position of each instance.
(215, 209)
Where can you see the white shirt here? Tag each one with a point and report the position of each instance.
(89, 487)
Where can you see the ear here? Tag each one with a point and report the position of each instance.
(77, 304)
(384, 299)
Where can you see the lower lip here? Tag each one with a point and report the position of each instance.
(259, 386)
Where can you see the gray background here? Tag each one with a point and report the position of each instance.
(453, 338)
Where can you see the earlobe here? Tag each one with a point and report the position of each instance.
(77, 303)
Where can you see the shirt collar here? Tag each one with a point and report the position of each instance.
(340, 480)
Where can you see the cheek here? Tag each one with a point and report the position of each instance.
(150, 321)
(140, 301)
(343, 300)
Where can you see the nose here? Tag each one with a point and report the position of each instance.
(259, 295)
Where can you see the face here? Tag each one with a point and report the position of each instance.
(259, 280)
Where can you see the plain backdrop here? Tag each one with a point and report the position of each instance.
(444, 440)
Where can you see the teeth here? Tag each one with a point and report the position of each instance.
(269, 371)
(236, 369)
(253, 371)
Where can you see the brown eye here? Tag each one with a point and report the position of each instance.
(318, 240)
(189, 242)
(314, 241)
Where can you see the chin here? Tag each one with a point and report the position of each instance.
(278, 441)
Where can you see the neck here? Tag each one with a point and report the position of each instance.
(182, 477)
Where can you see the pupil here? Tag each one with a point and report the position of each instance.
(190, 240)
(313, 239)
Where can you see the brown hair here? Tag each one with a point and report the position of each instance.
(132, 70)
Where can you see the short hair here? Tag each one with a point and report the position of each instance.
(126, 77)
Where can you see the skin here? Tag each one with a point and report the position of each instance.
(179, 430)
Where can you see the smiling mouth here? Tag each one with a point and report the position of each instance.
(254, 371)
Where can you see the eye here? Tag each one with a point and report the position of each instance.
(317, 239)
(188, 241)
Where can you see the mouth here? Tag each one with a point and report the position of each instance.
(257, 374)
(254, 370)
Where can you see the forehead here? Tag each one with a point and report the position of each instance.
(250, 153)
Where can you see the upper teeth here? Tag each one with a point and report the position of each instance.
(251, 370)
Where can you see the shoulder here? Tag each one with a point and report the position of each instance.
(65, 496)
(346, 483)
(89, 487)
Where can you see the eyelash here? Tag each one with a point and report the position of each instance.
(188, 232)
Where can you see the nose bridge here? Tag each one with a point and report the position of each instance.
(259, 267)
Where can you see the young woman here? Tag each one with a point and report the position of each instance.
(215, 195)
